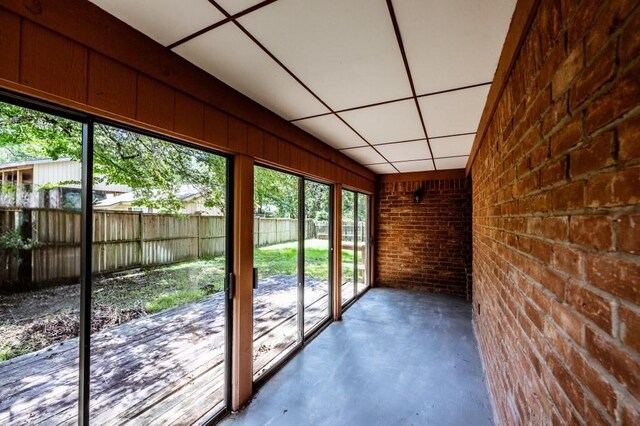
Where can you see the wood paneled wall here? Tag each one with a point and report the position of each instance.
(74, 54)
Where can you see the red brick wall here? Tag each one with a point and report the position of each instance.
(556, 222)
(425, 245)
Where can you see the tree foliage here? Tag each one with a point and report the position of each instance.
(155, 169)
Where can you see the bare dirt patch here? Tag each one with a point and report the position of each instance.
(35, 319)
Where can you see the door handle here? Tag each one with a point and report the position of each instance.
(255, 278)
(230, 285)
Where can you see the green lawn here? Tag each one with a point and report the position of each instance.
(282, 259)
(160, 288)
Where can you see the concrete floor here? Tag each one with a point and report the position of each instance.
(397, 358)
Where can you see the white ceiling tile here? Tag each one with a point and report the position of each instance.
(228, 54)
(382, 169)
(452, 163)
(165, 21)
(452, 43)
(345, 51)
(452, 146)
(406, 151)
(392, 122)
(329, 129)
(453, 112)
(415, 166)
(236, 6)
(364, 155)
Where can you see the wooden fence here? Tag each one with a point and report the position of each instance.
(121, 240)
(322, 230)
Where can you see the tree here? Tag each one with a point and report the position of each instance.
(155, 169)
(275, 193)
(316, 198)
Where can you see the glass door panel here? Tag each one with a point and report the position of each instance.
(275, 301)
(348, 245)
(158, 302)
(40, 169)
(362, 249)
(317, 254)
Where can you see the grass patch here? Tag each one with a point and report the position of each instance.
(6, 354)
(146, 286)
(282, 259)
(174, 299)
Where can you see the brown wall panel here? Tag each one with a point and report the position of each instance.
(238, 135)
(304, 160)
(112, 86)
(270, 148)
(313, 164)
(295, 153)
(52, 63)
(321, 167)
(9, 46)
(156, 103)
(189, 116)
(256, 142)
(215, 126)
(284, 156)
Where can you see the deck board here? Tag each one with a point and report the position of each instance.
(158, 369)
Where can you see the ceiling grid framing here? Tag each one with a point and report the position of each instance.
(408, 98)
(396, 28)
(226, 20)
(295, 77)
(360, 135)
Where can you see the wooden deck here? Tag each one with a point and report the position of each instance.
(165, 368)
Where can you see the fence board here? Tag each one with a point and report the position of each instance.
(124, 240)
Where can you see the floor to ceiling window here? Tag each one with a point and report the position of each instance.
(276, 240)
(317, 254)
(292, 259)
(362, 247)
(150, 217)
(355, 244)
(348, 245)
(158, 305)
(40, 169)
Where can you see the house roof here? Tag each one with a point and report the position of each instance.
(16, 164)
(184, 193)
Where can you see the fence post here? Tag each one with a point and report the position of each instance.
(199, 218)
(141, 239)
(25, 264)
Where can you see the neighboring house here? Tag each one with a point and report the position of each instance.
(48, 183)
(193, 198)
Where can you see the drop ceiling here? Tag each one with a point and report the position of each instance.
(397, 85)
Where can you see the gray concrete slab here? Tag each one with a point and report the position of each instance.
(398, 358)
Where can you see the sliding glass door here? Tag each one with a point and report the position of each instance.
(362, 247)
(113, 247)
(292, 258)
(158, 301)
(355, 245)
(276, 263)
(40, 169)
(317, 254)
(348, 244)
